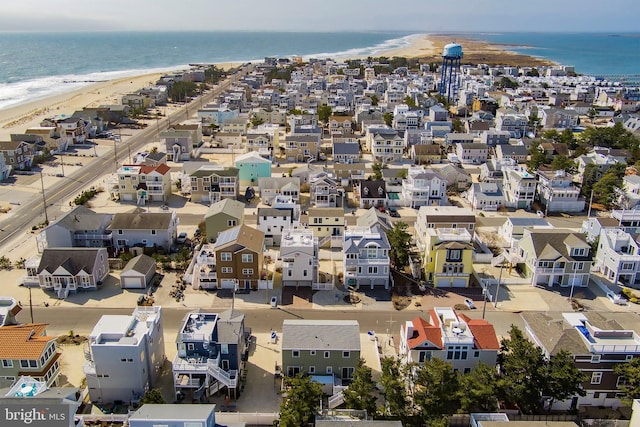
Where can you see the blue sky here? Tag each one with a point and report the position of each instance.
(322, 15)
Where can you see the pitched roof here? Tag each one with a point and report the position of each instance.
(424, 331)
(243, 235)
(26, 341)
(554, 334)
(484, 335)
(141, 263)
(320, 335)
(141, 221)
(73, 260)
(230, 207)
(552, 244)
(373, 189)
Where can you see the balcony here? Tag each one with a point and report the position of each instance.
(92, 236)
(189, 365)
(557, 270)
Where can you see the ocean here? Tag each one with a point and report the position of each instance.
(37, 65)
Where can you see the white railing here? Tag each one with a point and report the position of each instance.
(615, 348)
(228, 378)
(30, 281)
(183, 381)
(192, 336)
(185, 365)
(322, 286)
(542, 270)
(336, 400)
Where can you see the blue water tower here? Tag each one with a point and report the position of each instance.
(450, 72)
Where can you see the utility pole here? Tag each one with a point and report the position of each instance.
(62, 162)
(30, 305)
(499, 280)
(44, 199)
(115, 155)
(590, 203)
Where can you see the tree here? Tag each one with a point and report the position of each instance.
(605, 190)
(563, 378)
(458, 126)
(388, 118)
(630, 373)
(324, 112)
(409, 101)
(400, 241)
(152, 396)
(436, 388)
(590, 176)
(478, 389)
(537, 157)
(377, 170)
(181, 90)
(374, 99)
(522, 367)
(393, 387)
(301, 402)
(563, 163)
(567, 137)
(360, 393)
(402, 174)
(507, 83)
(256, 121)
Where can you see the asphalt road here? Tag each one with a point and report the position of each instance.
(82, 319)
(33, 212)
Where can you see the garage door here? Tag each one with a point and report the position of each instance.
(575, 281)
(131, 282)
(459, 282)
(443, 283)
(227, 284)
(127, 197)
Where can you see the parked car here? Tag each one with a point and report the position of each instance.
(470, 304)
(616, 299)
(182, 237)
(393, 213)
(540, 214)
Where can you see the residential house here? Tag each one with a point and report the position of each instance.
(558, 118)
(628, 220)
(125, 355)
(144, 229)
(423, 187)
(239, 255)
(323, 190)
(72, 129)
(512, 230)
(370, 193)
(235, 126)
(5, 169)
(618, 257)
(557, 191)
(340, 125)
(138, 273)
(27, 350)
(46, 134)
(456, 176)
(512, 122)
(17, 154)
(79, 227)
(630, 194)
(486, 196)
(518, 153)
(374, 218)
(452, 139)
(9, 308)
(346, 152)
(426, 154)
(222, 216)
(270, 187)
(299, 254)
(444, 217)
(328, 225)
(450, 336)
(142, 184)
(302, 147)
(599, 161)
(66, 270)
(174, 415)
(555, 257)
(448, 254)
(321, 348)
(366, 258)
(472, 153)
(494, 138)
(273, 223)
(212, 351)
(591, 227)
(437, 113)
(251, 167)
(263, 142)
(598, 342)
(154, 159)
(386, 145)
(180, 141)
(212, 183)
(348, 173)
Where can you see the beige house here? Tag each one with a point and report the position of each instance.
(328, 225)
(301, 148)
(212, 183)
(142, 184)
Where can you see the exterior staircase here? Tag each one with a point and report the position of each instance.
(228, 378)
(336, 400)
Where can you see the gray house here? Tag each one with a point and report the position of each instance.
(173, 415)
(125, 356)
(80, 227)
(324, 348)
(146, 229)
(138, 273)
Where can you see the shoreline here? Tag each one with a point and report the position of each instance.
(427, 47)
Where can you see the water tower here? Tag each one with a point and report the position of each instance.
(450, 72)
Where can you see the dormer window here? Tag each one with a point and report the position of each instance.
(380, 191)
(579, 252)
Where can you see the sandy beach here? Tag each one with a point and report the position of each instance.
(425, 46)
(21, 117)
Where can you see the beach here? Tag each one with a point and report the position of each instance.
(425, 46)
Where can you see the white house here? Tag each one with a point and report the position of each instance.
(423, 187)
(472, 152)
(299, 254)
(273, 222)
(557, 191)
(618, 257)
(486, 196)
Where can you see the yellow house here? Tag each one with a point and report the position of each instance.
(328, 226)
(448, 257)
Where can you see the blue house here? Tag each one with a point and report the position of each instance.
(212, 350)
(252, 167)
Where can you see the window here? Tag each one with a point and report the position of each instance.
(467, 370)
(457, 352)
(225, 256)
(329, 370)
(312, 369)
(190, 346)
(224, 348)
(476, 354)
(596, 378)
(231, 223)
(595, 358)
(579, 252)
(424, 356)
(227, 270)
(295, 353)
(312, 352)
(346, 354)
(247, 271)
(327, 354)
(153, 232)
(24, 363)
(247, 257)
(7, 363)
